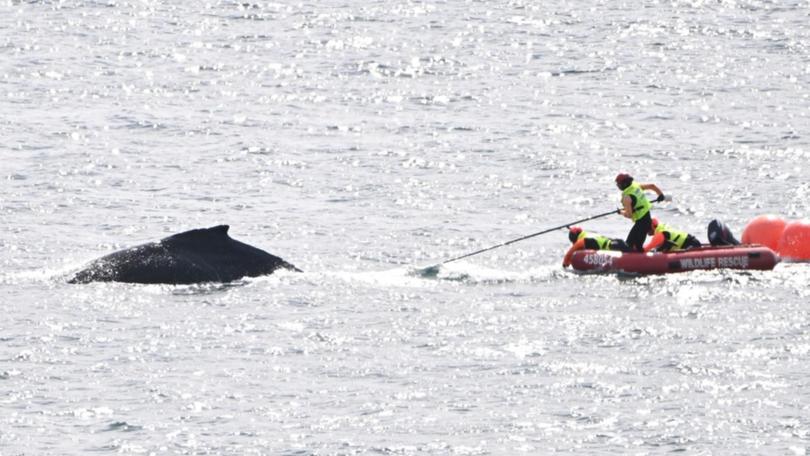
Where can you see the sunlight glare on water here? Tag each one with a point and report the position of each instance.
(364, 142)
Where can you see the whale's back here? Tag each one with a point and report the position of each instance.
(201, 255)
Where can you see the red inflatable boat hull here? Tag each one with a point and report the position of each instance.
(727, 257)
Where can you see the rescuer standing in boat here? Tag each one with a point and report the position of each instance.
(636, 207)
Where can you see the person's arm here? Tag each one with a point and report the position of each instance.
(627, 206)
(579, 245)
(654, 188)
(655, 242)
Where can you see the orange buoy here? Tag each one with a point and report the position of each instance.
(765, 230)
(795, 241)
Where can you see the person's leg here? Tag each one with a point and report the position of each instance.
(619, 245)
(638, 234)
(691, 243)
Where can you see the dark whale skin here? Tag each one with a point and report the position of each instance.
(196, 256)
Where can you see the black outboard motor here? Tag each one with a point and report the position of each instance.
(720, 234)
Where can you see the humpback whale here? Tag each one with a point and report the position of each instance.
(201, 255)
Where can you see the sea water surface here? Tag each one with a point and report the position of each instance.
(361, 140)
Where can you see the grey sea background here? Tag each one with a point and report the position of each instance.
(361, 140)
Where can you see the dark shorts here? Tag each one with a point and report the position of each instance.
(691, 243)
(638, 234)
(615, 244)
(620, 245)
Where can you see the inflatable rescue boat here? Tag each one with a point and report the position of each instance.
(707, 257)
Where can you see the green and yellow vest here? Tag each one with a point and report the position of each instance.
(642, 206)
(675, 239)
(601, 241)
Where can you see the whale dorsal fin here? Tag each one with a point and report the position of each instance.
(212, 234)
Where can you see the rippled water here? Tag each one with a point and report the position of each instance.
(361, 140)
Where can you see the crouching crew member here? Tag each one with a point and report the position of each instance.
(668, 239)
(583, 240)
